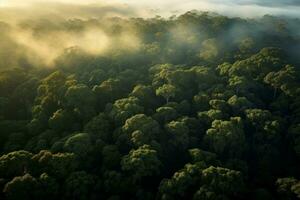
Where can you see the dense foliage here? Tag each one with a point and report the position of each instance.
(206, 107)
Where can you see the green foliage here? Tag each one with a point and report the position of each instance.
(79, 185)
(284, 79)
(288, 187)
(82, 99)
(181, 181)
(99, 127)
(109, 91)
(226, 137)
(56, 165)
(223, 181)
(80, 144)
(201, 102)
(195, 106)
(123, 109)
(15, 141)
(199, 155)
(178, 134)
(111, 156)
(239, 104)
(61, 120)
(165, 114)
(295, 135)
(49, 187)
(14, 163)
(141, 162)
(145, 94)
(141, 129)
(22, 187)
(167, 91)
(219, 183)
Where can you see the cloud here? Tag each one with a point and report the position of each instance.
(270, 3)
(16, 11)
(147, 8)
(244, 8)
(30, 2)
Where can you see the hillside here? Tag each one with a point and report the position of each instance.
(197, 106)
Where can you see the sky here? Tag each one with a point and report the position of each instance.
(243, 8)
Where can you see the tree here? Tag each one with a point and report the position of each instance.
(205, 77)
(50, 95)
(99, 127)
(219, 105)
(141, 162)
(289, 187)
(240, 83)
(294, 133)
(219, 183)
(125, 108)
(109, 91)
(209, 116)
(167, 91)
(146, 95)
(284, 79)
(111, 156)
(116, 184)
(239, 104)
(184, 82)
(265, 133)
(226, 137)
(15, 142)
(181, 182)
(141, 129)
(79, 186)
(198, 155)
(45, 140)
(201, 102)
(3, 105)
(52, 87)
(165, 114)
(61, 120)
(22, 187)
(258, 65)
(262, 120)
(57, 165)
(23, 95)
(80, 144)
(178, 134)
(15, 163)
(96, 77)
(49, 187)
(223, 69)
(82, 100)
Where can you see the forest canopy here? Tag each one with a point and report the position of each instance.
(193, 106)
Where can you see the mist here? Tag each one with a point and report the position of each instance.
(145, 8)
(41, 31)
(45, 30)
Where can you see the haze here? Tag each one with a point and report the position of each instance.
(94, 40)
(244, 8)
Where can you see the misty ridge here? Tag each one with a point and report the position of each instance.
(45, 33)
